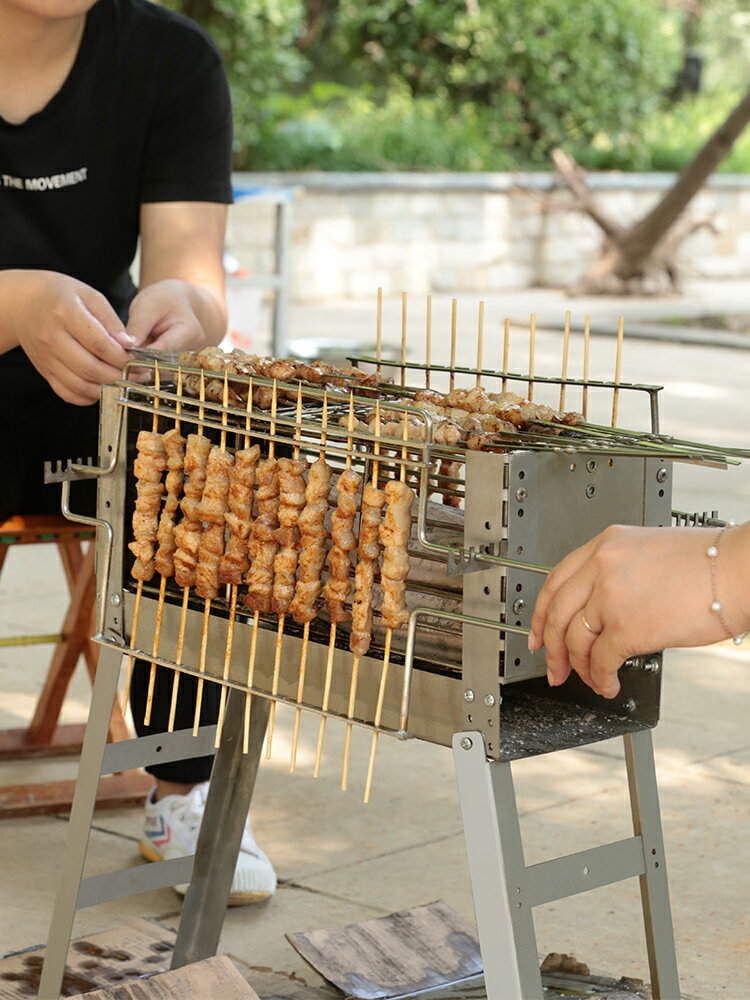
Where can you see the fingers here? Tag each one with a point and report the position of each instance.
(565, 603)
(565, 569)
(98, 329)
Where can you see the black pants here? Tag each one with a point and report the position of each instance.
(37, 426)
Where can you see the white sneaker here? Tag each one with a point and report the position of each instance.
(171, 831)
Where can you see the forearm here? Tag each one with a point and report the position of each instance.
(11, 289)
(210, 309)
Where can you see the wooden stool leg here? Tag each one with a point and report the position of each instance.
(75, 635)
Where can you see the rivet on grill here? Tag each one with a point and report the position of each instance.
(662, 475)
(591, 465)
(630, 705)
(518, 606)
(466, 743)
(489, 700)
(521, 494)
(469, 695)
(116, 600)
(590, 490)
(651, 666)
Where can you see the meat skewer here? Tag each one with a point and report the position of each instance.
(262, 548)
(188, 532)
(368, 552)
(292, 500)
(338, 586)
(394, 534)
(148, 468)
(311, 561)
(211, 511)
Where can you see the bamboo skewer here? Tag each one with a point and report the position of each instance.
(403, 338)
(480, 339)
(586, 346)
(386, 656)
(532, 350)
(332, 636)
(185, 594)
(306, 631)
(232, 591)
(454, 319)
(282, 615)
(379, 332)
(564, 369)
(506, 352)
(428, 342)
(139, 589)
(618, 365)
(355, 663)
(207, 604)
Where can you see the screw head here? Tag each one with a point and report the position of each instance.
(521, 494)
(591, 465)
(469, 695)
(590, 490)
(518, 606)
(630, 706)
(662, 475)
(651, 666)
(466, 743)
(489, 700)
(116, 600)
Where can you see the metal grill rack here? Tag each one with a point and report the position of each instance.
(485, 526)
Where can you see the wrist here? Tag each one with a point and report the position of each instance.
(731, 578)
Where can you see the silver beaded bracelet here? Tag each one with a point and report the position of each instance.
(712, 552)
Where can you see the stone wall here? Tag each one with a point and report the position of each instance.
(420, 233)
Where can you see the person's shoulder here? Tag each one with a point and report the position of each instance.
(151, 26)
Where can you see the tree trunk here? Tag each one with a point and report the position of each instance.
(629, 254)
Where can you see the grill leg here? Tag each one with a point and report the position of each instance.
(228, 803)
(81, 814)
(657, 913)
(505, 919)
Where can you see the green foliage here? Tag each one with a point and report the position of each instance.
(556, 72)
(257, 40)
(338, 128)
(669, 138)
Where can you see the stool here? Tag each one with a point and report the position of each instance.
(44, 737)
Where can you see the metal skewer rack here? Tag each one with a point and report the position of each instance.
(485, 526)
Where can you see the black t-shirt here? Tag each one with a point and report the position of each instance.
(143, 116)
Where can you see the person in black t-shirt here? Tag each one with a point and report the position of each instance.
(115, 127)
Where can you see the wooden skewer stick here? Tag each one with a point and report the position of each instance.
(428, 342)
(251, 659)
(154, 652)
(332, 637)
(480, 338)
(454, 318)
(207, 605)
(139, 588)
(618, 365)
(564, 370)
(186, 592)
(232, 591)
(403, 338)
(506, 352)
(355, 663)
(386, 658)
(586, 345)
(379, 332)
(532, 348)
(282, 618)
(306, 631)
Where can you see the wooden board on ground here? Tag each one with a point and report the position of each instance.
(212, 979)
(395, 956)
(110, 959)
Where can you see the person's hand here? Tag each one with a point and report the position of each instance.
(166, 316)
(635, 590)
(68, 331)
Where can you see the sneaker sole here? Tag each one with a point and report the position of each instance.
(235, 898)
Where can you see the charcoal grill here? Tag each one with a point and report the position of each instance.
(486, 526)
